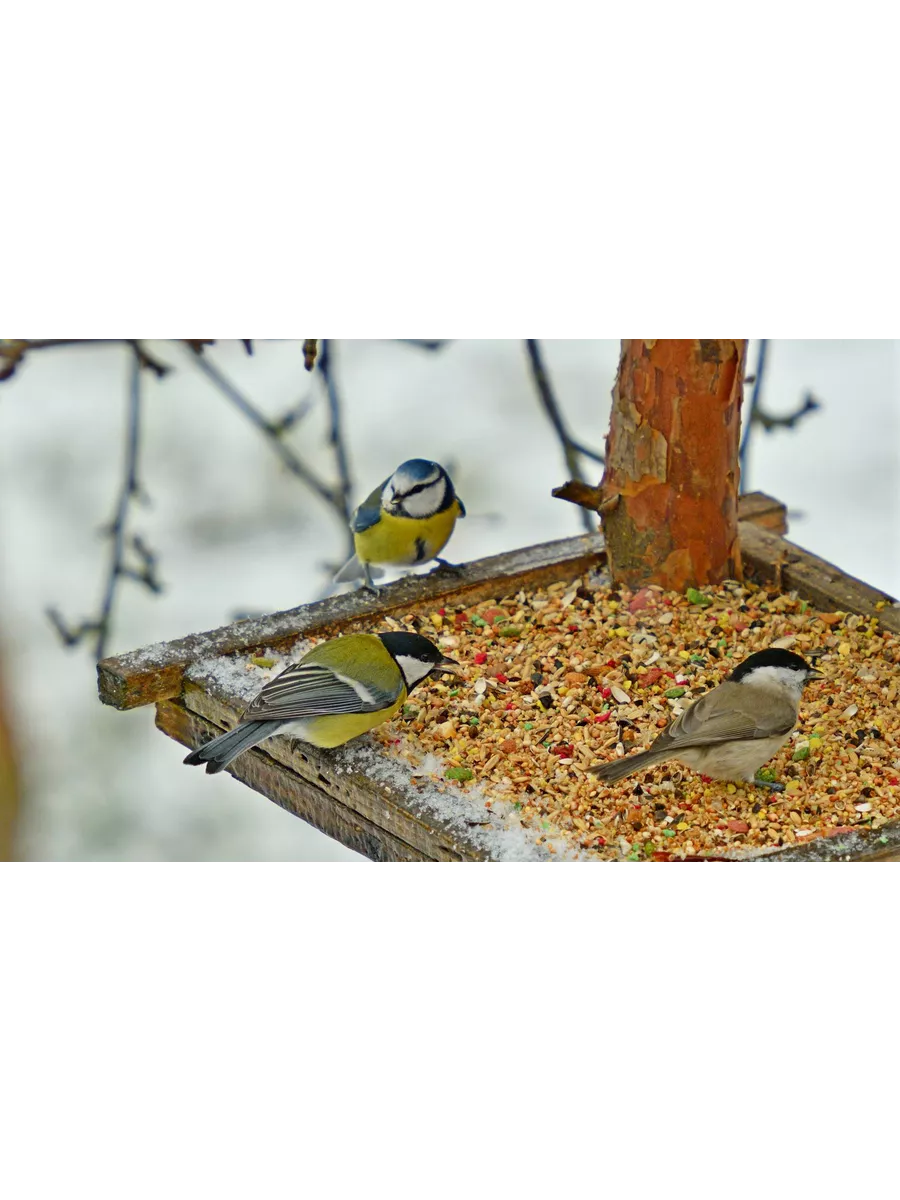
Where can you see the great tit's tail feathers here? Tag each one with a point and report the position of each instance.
(353, 569)
(218, 753)
(612, 772)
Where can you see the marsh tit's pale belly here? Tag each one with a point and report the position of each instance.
(732, 760)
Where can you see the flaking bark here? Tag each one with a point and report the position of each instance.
(672, 459)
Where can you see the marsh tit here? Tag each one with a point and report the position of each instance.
(731, 731)
(406, 521)
(337, 691)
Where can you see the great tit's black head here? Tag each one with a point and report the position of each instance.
(416, 656)
(777, 664)
(418, 488)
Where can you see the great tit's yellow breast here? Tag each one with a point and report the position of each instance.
(405, 541)
(327, 732)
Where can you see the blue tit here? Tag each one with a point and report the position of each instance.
(406, 521)
(337, 691)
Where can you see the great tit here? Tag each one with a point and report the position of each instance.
(337, 691)
(407, 520)
(731, 731)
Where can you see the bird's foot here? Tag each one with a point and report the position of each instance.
(772, 784)
(451, 568)
(370, 585)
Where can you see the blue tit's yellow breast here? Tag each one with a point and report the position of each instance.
(404, 541)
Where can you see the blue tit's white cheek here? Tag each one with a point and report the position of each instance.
(426, 502)
(387, 496)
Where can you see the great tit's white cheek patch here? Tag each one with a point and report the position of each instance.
(413, 668)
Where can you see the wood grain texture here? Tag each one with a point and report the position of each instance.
(291, 791)
(323, 779)
(672, 460)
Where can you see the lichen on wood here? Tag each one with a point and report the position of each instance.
(672, 459)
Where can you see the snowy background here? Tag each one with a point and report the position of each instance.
(235, 532)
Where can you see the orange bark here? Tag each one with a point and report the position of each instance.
(672, 459)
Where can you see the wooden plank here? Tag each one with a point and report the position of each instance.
(156, 672)
(770, 559)
(321, 803)
(760, 509)
(859, 845)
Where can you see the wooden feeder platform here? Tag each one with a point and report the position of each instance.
(377, 804)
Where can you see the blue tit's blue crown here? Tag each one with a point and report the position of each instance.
(416, 471)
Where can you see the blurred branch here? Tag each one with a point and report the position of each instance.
(570, 448)
(145, 571)
(12, 353)
(424, 345)
(756, 414)
(309, 353)
(272, 431)
(787, 420)
(336, 434)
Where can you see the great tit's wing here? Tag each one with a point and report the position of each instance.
(462, 507)
(731, 713)
(369, 512)
(312, 690)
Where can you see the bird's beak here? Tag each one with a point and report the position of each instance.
(450, 665)
(815, 675)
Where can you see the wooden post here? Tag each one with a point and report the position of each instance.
(672, 461)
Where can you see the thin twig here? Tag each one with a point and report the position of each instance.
(588, 452)
(422, 344)
(129, 489)
(22, 346)
(118, 567)
(756, 414)
(586, 496)
(309, 353)
(271, 432)
(570, 451)
(336, 433)
(749, 416)
(770, 421)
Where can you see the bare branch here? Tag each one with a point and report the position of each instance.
(424, 345)
(309, 353)
(130, 490)
(769, 421)
(750, 416)
(271, 431)
(336, 433)
(552, 409)
(756, 414)
(13, 349)
(586, 496)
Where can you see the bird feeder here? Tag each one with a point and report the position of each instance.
(492, 767)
